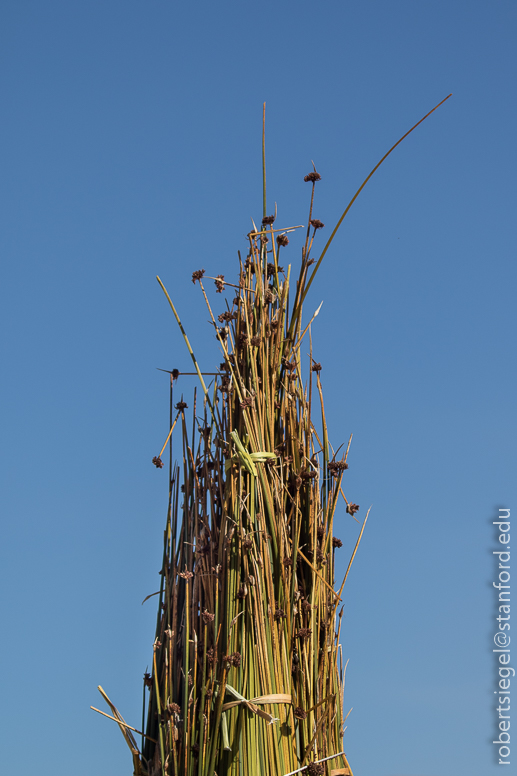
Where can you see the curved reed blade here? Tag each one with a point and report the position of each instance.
(361, 187)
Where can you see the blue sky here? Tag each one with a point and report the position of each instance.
(130, 147)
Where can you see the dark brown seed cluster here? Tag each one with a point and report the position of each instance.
(315, 769)
(173, 708)
(299, 713)
(316, 223)
(226, 317)
(316, 367)
(352, 509)
(207, 617)
(233, 660)
(336, 543)
(282, 239)
(297, 482)
(148, 680)
(279, 615)
(248, 264)
(197, 275)
(246, 402)
(312, 177)
(268, 220)
(336, 467)
(175, 374)
(210, 656)
(288, 562)
(225, 384)
(158, 462)
(320, 556)
(219, 283)
(303, 633)
(181, 405)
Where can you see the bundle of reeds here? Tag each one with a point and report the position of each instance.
(247, 674)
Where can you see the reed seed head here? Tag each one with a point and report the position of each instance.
(197, 275)
(185, 575)
(336, 467)
(315, 769)
(312, 177)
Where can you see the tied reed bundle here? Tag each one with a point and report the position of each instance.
(247, 675)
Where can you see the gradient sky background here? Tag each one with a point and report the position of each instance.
(130, 147)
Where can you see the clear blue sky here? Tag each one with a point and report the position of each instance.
(130, 147)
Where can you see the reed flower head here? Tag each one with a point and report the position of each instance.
(197, 275)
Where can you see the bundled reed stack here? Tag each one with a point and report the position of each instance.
(247, 675)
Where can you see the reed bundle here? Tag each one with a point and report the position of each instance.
(247, 673)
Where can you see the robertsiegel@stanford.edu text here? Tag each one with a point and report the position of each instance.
(502, 637)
